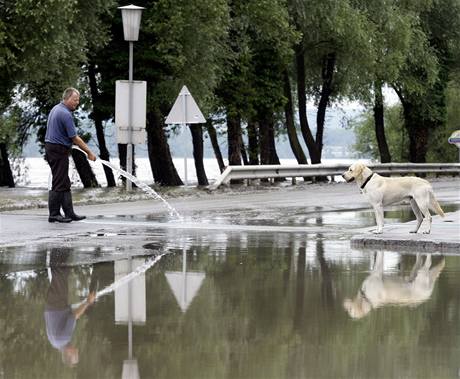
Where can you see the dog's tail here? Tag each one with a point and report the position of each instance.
(434, 205)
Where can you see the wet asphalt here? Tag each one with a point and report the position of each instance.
(124, 227)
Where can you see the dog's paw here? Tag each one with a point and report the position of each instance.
(427, 232)
(377, 231)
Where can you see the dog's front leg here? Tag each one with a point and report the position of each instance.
(378, 210)
(418, 215)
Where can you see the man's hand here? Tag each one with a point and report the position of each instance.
(91, 156)
(91, 297)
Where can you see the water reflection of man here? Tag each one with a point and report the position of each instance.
(60, 317)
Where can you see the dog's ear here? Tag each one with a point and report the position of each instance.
(359, 168)
(356, 308)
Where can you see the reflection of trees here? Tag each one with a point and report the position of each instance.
(265, 313)
(262, 312)
(326, 279)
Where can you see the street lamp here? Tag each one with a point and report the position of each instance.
(131, 15)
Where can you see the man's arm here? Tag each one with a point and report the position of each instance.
(82, 308)
(82, 145)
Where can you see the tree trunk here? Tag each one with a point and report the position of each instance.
(273, 157)
(215, 145)
(326, 91)
(96, 116)
(267, 147)
(234, 143)
(6, 175)
(385, 156)
(84, 170)
(416, 129)
(302, 100)
(264, 141)
(253, 144)
(122, 156)
(161, 163)
(197, 139)
(291, 130)
(418, 141)
(234, 140)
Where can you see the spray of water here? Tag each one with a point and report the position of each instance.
(138, 183)
(127, 278)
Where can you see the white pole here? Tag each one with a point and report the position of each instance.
(185, 156)
(129, 147)
(185, 144)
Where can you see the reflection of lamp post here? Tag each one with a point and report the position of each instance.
(131, 15)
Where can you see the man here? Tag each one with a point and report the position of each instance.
(60, 135)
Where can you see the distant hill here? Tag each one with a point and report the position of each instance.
(338, 139)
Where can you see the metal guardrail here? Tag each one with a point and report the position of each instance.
(304, 171)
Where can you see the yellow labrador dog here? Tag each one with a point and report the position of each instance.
(380, 289)
(381, 191)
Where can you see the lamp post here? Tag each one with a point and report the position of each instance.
(131, 15)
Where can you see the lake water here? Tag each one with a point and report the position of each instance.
(36, 171)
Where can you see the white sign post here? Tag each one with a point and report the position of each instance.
(185, 111)
(130, 116)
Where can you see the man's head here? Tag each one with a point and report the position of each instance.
(71, 98)
(70, 356)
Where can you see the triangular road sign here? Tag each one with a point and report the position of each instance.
(185, 110)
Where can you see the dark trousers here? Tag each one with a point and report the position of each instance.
(58, 159)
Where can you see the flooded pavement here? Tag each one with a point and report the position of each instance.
(238, 306)
(258, 287)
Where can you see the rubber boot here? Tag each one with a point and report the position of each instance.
(67, 206)
(54, 207)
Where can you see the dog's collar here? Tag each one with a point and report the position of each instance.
(367, 181)
(363, 295)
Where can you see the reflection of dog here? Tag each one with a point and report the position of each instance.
(379, 290)
(381, 191)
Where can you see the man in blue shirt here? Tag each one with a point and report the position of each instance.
(60, 135)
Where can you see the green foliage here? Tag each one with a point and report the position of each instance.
(260, 48)
(43, 46)
(439, 149)
(231, 55)
(366, 142)
(7, 127)
(185, 44)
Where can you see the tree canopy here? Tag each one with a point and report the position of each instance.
(254, 64)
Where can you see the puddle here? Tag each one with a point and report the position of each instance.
(245, 306)
(227, 303)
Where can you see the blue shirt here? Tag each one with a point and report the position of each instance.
(60, 325)
(60, 128)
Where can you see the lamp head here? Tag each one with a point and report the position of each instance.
(131, 15)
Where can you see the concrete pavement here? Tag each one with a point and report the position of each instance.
(444, 236)
(284, 209)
